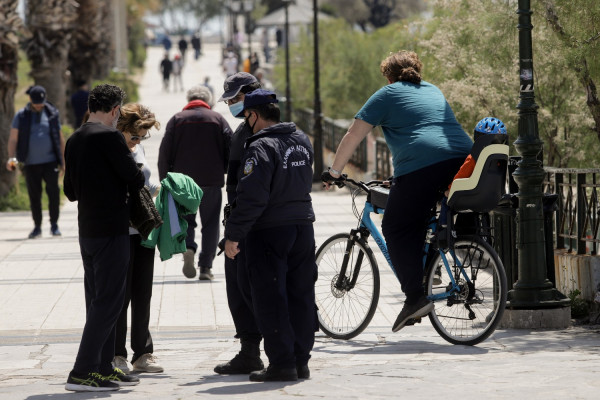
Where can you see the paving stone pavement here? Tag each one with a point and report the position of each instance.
(42, 312)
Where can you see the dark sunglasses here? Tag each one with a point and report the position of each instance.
(135, 138)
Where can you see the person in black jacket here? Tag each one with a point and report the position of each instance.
(100, 170)
(274, 215)
(36, 141)
(237, 285)
(196, 143)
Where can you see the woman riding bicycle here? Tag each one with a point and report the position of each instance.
(428, 146)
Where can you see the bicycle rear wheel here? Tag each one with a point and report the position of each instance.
(471, 314)
(345, 310)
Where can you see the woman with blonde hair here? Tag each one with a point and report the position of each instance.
(428, 146)
(135, 122)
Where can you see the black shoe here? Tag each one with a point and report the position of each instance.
(120, 378)
(420, 309)
(35, 233)
(91, 382)
(205, 274)
(303, 371)
(54, 231)
(274, 374)
(241, 364)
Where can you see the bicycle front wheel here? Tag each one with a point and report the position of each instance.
(346, 296)
(469, 312)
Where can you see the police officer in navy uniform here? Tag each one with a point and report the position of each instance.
(239, 297)
(274, 215)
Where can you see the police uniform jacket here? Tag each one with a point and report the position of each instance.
(274, 188)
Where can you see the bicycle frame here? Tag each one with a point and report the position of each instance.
(367, 223)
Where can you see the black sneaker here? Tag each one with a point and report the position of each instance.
(54, 231)
(120, 378)
(206, 274)
(35, 233)
(274, 374)
(420, 309)
(91, 382)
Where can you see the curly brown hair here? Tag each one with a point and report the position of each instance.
(402, 66)
(136, 117)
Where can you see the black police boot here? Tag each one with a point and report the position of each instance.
(244, 362)
(303, 371)
(274, 374)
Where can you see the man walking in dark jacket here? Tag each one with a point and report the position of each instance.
(100, 170)
(274, 215)
(36, 141)
(196, 143)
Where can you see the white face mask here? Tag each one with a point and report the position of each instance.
(236, 109)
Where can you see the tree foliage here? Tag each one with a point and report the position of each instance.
(10, 28)
(470, 51)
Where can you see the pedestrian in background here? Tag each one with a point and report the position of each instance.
(274, 214)
(36, 140)
(230, 64)
(79, 102)
(196, 45)
(183, 45)
(239, 296)
(135, 122)
(166, 67)
(177, 69)
(196, 143)
(100, 171)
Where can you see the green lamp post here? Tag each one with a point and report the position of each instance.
(533, 290)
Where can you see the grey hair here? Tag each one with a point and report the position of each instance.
(199, 92)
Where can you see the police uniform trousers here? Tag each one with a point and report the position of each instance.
(34, 174)
(239, 297)
(282, 270)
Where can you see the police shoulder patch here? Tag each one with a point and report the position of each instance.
(249, 165)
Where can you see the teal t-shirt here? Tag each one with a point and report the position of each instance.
(418, 124)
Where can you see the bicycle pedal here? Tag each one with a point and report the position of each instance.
(413, 321)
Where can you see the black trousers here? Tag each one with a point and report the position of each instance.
(412, 196)
(105, 263)
(34, 174)
(282, 269)
(210, 211)
(138, 293)
(239, 297)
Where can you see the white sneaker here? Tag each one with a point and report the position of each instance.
(189, 269)
(147, 363)
(122, 363)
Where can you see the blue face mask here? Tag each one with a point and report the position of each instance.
(236, 109)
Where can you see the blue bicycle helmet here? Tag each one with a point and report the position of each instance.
(490, 126)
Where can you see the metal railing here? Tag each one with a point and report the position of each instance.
(577, 217)
(333, 131)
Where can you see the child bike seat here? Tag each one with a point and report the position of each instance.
(482, 191)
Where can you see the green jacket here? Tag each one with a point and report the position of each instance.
(186, 196)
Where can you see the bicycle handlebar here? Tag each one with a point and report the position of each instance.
(364, 186)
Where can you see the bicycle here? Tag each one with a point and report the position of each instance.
(465, 279)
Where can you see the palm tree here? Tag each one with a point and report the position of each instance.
(10, 26)
(51, 24)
